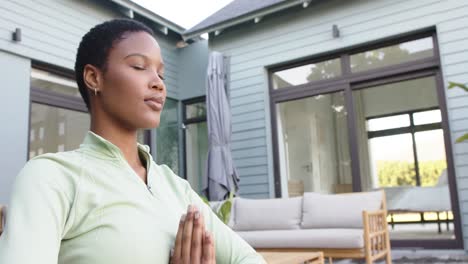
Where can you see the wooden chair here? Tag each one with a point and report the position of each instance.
(295, 188)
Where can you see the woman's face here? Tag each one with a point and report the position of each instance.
(132, 91)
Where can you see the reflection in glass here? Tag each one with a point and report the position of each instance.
(391, 55)
(54, 129)
(313, 145)
(383, 123)
(195, 110)
(392, 166)
(53, 83)
(427, 117)
(167, 136)
(307, 73)
(196, 137)
(431, 156)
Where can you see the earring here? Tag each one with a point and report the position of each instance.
(95, 91)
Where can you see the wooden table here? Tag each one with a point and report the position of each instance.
(292, 257)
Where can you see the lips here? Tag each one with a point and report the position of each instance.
(156, 103)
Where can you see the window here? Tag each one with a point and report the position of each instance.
(196, 141)
(58, 119)
(303, 74)
(167, 136)
(54, 129)
(392, 55)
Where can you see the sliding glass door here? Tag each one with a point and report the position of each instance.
(313, 144)
(371, 118)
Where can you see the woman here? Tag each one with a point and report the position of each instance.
(108, 202)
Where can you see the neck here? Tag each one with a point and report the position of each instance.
(125, 139)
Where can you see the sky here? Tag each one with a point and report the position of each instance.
(185, 13)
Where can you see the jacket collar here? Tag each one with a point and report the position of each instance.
(105, 149)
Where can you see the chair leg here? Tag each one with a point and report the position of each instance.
(388, 258)
(330, 261)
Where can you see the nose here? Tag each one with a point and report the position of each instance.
(157, 83)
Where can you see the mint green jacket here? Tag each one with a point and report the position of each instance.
(88, 206)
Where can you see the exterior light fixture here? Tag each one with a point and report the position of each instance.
(335, 31)
(257, 20)
(16, 36)
(218, 32)
(306, 3)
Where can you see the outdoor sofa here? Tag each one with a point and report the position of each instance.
(341, 225)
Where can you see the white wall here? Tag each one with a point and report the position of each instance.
(14, 119)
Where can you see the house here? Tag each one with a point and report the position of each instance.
(327, 96)
(338, 96)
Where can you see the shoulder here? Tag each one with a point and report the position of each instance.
(58, 170)
(170, 176)
(174, 183)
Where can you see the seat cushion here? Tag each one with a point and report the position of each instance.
(338, 210)
(267, 214)
(305, 238)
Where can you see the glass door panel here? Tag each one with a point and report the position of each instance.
(313, 144)
(402, 150)
(196, 144)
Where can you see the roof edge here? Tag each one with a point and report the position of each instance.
(241, 19)
(134, 7)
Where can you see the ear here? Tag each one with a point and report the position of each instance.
(92, 77)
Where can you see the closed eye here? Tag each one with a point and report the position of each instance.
(137, 67)
(161, 77)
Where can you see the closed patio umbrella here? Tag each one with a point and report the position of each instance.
(221, 177)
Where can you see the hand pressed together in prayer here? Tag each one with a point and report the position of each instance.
(193, 244)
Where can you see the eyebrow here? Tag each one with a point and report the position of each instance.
(144, 56)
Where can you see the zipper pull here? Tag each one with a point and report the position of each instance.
(149, 189)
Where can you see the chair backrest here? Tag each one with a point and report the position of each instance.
(295, 188)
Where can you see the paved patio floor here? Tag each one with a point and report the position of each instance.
(421, 257)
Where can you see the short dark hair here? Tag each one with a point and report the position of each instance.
(95, 46)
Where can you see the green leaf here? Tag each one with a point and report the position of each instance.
(459, 85)
(462, 138)
(225, 211)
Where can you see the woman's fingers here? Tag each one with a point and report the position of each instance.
(187, 235)
(176, 253)
(208, 249)
(197, 238)
(193, 244)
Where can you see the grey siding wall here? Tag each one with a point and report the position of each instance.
(14, 82)
(308, 32)
(52, 30)
(193, 62)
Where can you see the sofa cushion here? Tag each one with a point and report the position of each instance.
(338, 210)
(305, 238)
(268, 214)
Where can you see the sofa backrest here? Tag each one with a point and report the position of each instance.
(338, 210)
(267, 214)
